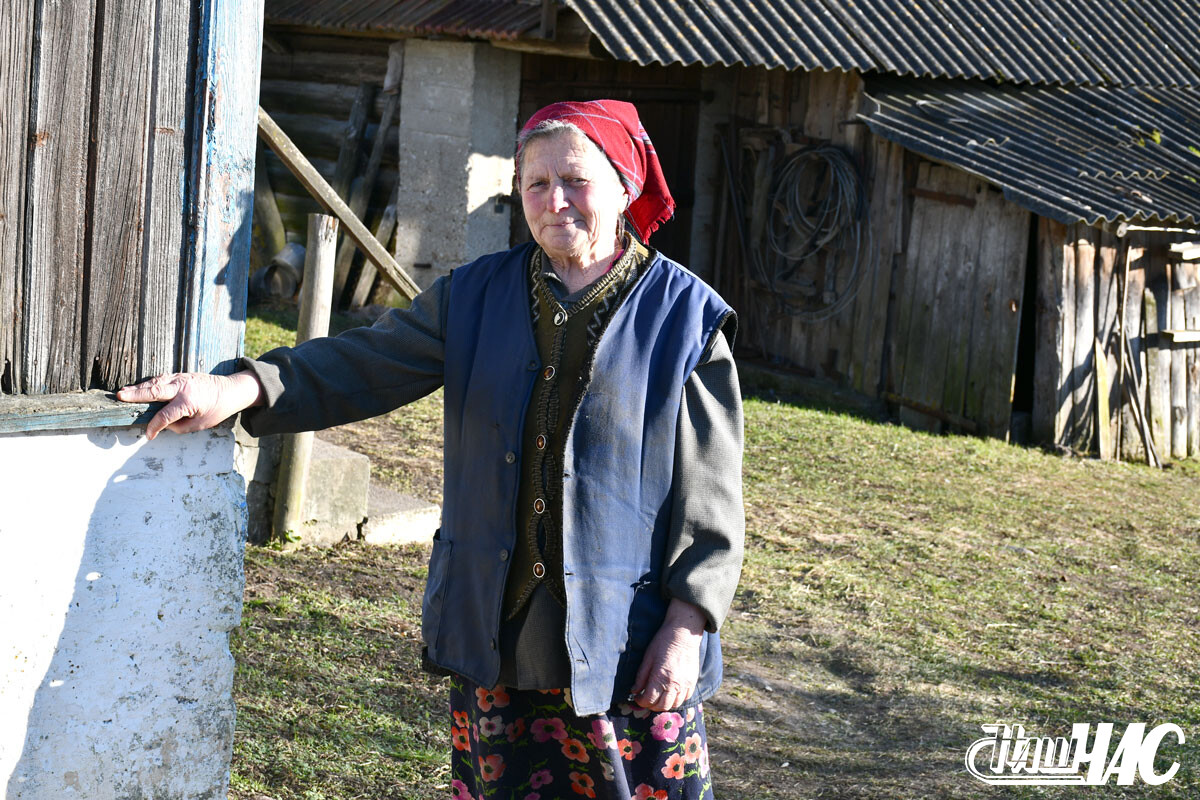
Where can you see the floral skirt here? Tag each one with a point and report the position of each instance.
(530, 745)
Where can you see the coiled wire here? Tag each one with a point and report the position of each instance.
(800, 226)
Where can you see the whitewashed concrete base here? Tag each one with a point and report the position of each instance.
(120, 582)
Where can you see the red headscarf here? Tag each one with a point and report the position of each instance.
(615, 128)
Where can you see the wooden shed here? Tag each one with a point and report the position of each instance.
(127, 136)
(994, 217)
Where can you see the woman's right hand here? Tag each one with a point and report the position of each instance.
(195, 401)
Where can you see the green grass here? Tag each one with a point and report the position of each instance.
(900, 589)
(274, 325)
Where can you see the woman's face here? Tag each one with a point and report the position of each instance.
(572, 197)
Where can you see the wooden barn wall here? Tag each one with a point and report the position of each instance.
(309, 84)
(1091, 285)
(93, 158)
(934, 319)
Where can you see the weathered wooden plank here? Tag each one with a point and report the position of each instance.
(71, 410)
(318, 97)
(863, 331)
(334, 204)
(822, 94)
(1107, 308)
(1047, 361)
(350, 140)
(118, 193)
(1104, 431)
(887, 246)
(1007, 242)
(910, 276)
(1135, 367)
(960, 280)
(1158, 386)
(16, 44)
(162, 278)
(929, 255)
(310, 64)
(360, 195)
(1067, 247)
(230, 34)
(56, 199)
(1084, 390)
(1179, 381)
(1191, 311)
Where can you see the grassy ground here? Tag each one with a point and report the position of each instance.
(900, 589)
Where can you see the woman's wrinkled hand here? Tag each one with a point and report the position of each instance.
(671, 666)
(194, 401)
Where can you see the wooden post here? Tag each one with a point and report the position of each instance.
(266, 210)
(316, 296)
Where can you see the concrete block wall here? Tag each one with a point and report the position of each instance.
(458, 117)
(120, 582)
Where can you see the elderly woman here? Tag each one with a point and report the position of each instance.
(592, 527)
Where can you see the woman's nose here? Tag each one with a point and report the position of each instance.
(558, 197)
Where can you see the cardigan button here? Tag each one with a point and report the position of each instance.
(510, 457)
(504, 555)
(539, 505)
(539, 570)
(560, 318)
(540, 442)
(548, 373)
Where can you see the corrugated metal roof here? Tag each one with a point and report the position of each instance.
(485, 19)
(1122, 42)
(1096, 154)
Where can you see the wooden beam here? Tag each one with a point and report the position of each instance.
(324, 194)
(17, 25)
(56, 198)
(120, 130)
(58, 412)
(222, 186)
(162, 278)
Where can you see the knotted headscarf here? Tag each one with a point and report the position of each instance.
(614, 127)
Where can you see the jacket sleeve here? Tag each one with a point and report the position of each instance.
(708, 521)
(362, 373)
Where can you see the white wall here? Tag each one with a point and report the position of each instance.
(458, 118)
(120, 582)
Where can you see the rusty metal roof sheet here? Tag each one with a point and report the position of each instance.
(1091, 154)
(484, 19)
(1121, 42)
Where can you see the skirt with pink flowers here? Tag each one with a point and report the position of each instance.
(530, 745)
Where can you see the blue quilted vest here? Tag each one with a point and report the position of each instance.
(617, 474)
